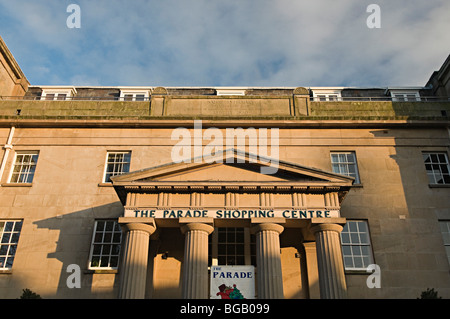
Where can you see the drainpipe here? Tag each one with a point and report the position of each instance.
(7, 147)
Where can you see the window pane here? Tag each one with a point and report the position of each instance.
(107, 238)
(9, 226)
(352, 226)
(346, 250)
(15, 238)
(222, 249)
(9, 262)
(115, 249)
(5, 238)
(3, 250)
(117, 238)
(345, 237)
(95, 261)
(109, 225)
(114, 261)
(348, 262)
(17, 226)
(358, 262)
(363, 239)
(104, 261)
(97, 249)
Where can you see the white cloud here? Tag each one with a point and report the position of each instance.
(247, 42)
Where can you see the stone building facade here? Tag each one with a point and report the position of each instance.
(136, 192)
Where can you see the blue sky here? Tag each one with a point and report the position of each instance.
(227, 43)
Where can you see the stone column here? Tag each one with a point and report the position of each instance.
(268, 260)
(329, 258)
(135, 258)
(312, 269)
(195, 265)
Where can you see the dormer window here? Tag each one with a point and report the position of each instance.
(326, 94)
(134, 95)
(405, 95)
(58, 94)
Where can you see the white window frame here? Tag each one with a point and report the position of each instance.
(346, 164)
(134, 93)
(25, 167)
(68, 92)
(434, 174)
(112, 242)
(249, 253)
(403, 95)
(105, 171)
(352, 248)
(10, 240)
(444, 225)
(327, 94)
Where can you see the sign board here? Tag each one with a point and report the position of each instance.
(233, 213)
(232, 282)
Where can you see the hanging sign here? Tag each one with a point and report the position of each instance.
(232, 282)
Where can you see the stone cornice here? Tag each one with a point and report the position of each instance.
(159, 122)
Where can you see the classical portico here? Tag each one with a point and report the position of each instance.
(200, 198)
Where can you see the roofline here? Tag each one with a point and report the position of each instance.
(150, 87)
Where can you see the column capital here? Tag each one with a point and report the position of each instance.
(326, 227)
(267, 227)
(331, 224)
(150, 229)
(197, 226)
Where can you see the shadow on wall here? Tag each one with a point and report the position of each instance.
(73, 248)
(408, 238)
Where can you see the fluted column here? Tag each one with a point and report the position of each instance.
(195, 266)
(268, 260)
(135, 259)
(329, 258)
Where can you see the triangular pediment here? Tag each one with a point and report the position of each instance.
(231, 166)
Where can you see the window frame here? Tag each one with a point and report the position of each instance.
(353, 153)
(134, 94)
(56, 92)
(405, 96)
(10, 244)
(102, 243)
(249, 249)
(327, 94)
(445, 236)
(356, 244)
(13, 166)
(439, 163)
(105, 170)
